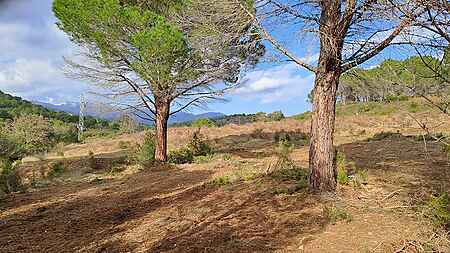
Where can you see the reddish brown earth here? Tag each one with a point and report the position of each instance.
(169, 209)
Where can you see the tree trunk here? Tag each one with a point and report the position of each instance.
(322, 152)
(162, 118)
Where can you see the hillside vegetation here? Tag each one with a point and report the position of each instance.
(12, 107)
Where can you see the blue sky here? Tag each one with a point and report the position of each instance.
(32, 50)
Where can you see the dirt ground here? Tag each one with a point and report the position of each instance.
(177, 209)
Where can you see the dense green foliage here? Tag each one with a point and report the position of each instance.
(203, 122)
(395, 79)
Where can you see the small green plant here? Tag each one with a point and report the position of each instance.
(334, 214)
(221, 181)
(342, 177)
(59, 149)
(56, 170)
(361, 177)
(203, 158)
(145, 153)
(181, 156)
(438, 210)
(227, 157)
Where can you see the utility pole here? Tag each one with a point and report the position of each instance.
(81, 118)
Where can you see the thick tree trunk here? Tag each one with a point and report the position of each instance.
(322, 152)
(162, 118)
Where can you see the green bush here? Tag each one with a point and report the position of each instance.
(57, 170)
(9, 149)
(34, 134)
(198, 145)
(10, 181)
(385, 135)
(181, 156)
(145, 152)
(64, 132)
(203, 122)
(221, 181)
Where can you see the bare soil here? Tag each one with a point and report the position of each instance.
(177, 209)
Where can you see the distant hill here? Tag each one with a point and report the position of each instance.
(180, 117)
(12, 106)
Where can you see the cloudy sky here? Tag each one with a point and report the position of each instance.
(32, 50)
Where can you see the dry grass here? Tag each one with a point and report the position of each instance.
(230, 203)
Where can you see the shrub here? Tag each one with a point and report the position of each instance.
(221, 181)
(181, 156)
(10, 181)
(438, 209)
(275, 116)
(342, 177)
(334, 213)
(34, 134)
(9, 149)
(57, 170)
(198, 145)
(282, 137)
(145, 152)
(65, 133)
(203, 122)
(385, 135)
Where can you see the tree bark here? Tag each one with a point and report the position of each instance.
(322, 152)
(162, 118)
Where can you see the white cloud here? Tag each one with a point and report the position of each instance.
(275, 84)
(32, 53)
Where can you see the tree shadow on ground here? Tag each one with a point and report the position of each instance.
(257, 144)
(92, 213)
(403, 161)
(162, 211)
(253, 222)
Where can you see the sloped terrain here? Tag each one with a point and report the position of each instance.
(234, 202)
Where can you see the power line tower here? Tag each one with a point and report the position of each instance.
(81, 118)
